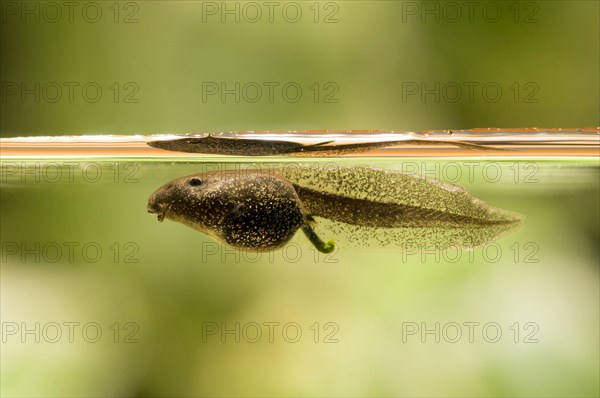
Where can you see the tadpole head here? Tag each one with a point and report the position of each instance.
(182, 199)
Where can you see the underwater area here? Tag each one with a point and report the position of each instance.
(462, 139)
(94, 286)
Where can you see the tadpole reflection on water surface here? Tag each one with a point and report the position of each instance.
(216, 145)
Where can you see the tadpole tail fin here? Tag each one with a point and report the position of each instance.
(365, 204)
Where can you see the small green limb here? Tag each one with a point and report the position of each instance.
(316, 241)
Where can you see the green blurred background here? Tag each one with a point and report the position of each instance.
(371, 51)
(163, 285)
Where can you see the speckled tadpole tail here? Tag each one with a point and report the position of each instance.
(361, 206)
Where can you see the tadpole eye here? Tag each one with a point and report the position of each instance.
(195, 182)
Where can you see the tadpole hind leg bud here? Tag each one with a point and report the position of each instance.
(316, 241)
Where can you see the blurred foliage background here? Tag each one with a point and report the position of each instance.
(154, 294)
(373, 53)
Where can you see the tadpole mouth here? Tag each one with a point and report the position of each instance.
(158, 209)
(161, 200)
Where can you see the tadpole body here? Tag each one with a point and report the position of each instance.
(361, 206)
(250, 211)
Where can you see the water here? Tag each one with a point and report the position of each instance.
(98, 298)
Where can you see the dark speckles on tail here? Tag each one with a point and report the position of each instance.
(362, 206)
